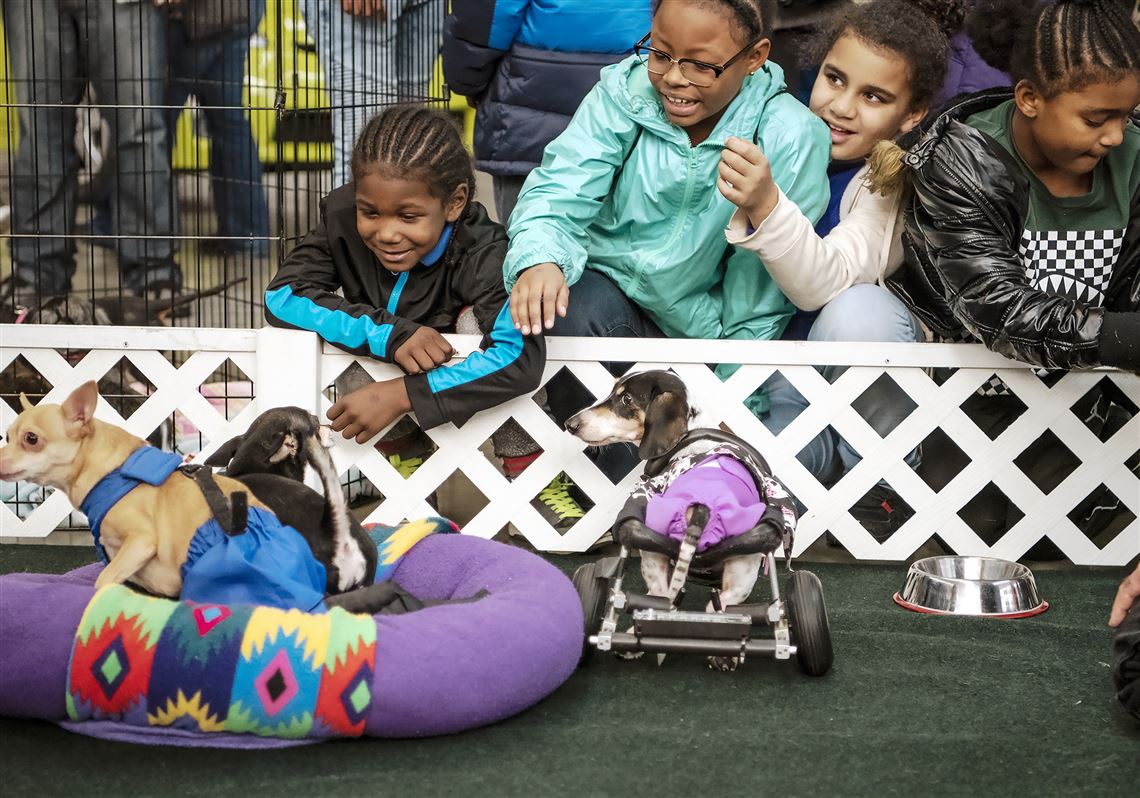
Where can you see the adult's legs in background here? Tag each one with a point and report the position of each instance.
(506, 188)
(365, 69)
(213, 70)
(46, 63)
(126, 61)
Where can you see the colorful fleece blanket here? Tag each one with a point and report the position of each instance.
(151, 661)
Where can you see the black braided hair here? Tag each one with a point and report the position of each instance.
(918, 31)
(411, 142)
(749, 20)
(414, 142)
(1058, 46)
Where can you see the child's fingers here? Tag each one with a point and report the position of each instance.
(746, 150)
(563, 299)
(533, 323)
(351, 431)
(1125, 597)
(737, 163)
(424, 361)
(517, 304)
(730, 192)
(334, 412)
(364, 436)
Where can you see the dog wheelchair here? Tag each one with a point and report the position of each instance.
(798, 618)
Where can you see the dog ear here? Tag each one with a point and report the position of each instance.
(666, 420)
(24, 403)
(79, 407)
(224, 453)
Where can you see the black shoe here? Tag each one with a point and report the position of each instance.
(881, 512)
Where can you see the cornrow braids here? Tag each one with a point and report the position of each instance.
(411, 141)
(918, 31)
(748, 16)
(1058, 46)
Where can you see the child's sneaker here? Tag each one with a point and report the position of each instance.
(555, 504)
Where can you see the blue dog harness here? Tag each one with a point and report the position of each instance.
(148, 464)
(268, 564)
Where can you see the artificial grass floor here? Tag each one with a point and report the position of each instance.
(915, 705)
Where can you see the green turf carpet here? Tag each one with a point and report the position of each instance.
(915, 706)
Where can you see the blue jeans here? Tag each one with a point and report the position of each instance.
(370, 63)
(598, 308)
(56, 48)
(213, 70)
(861, 313)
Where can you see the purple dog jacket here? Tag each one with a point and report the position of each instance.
(721, 483)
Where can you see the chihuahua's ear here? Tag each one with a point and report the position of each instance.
(79, 408)
(224, 453)
(666, 420)
(24, 403)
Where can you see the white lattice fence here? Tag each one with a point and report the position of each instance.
(291, 368)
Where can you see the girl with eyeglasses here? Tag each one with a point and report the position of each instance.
(619, 231)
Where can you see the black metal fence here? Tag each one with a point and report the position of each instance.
(179, 148)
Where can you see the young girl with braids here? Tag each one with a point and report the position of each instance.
(884, 64)
(409, 248)
(1024, 230)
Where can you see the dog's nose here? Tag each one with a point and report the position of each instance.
(573, 424)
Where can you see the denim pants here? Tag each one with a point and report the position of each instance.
(213, 70)
(56, 47)
(598, 308)
(371, 63)
(860, 313)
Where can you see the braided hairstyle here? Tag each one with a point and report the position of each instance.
(749, 20)
(1057, 46)
(412, 142)
(918, 31)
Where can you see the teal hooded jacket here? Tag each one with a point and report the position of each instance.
(624, 192)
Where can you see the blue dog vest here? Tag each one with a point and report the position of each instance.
(268, 564)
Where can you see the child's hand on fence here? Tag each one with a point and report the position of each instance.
(540, 292)
(423, 351)
(364, 412)
(745, 179)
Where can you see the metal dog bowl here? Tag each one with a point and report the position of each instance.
(978, 586)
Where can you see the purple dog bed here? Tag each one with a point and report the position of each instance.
(439, 670)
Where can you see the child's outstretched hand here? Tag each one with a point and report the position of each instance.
(1126, 596)
(745, 179)
(364, 412)
(423, 351)
(540, 292)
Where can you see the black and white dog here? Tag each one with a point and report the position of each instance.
(272, 459)
(653, 410)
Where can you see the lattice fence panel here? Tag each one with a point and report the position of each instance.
(282, 376)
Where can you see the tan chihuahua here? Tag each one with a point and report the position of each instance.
(147, 533)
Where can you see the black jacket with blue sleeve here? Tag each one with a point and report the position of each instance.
(380, 310)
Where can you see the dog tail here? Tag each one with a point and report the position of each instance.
(698, 517)
(337, 506)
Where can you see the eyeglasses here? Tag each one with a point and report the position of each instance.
(699, 73)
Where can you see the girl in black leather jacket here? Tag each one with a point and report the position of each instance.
(1024, 232)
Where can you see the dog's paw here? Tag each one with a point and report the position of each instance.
(725, 664)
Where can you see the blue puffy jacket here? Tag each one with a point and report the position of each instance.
(528, 64)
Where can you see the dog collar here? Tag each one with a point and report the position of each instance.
(146, 464)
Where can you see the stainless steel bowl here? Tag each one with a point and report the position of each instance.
(979, 586)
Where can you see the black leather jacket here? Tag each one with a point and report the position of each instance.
(963, 272)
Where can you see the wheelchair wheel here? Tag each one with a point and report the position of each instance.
(593, 591)
(807, 616)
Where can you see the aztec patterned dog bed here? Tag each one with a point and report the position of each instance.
(125, 666)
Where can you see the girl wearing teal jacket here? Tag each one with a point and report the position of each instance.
(629, 189)
(620, 231)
